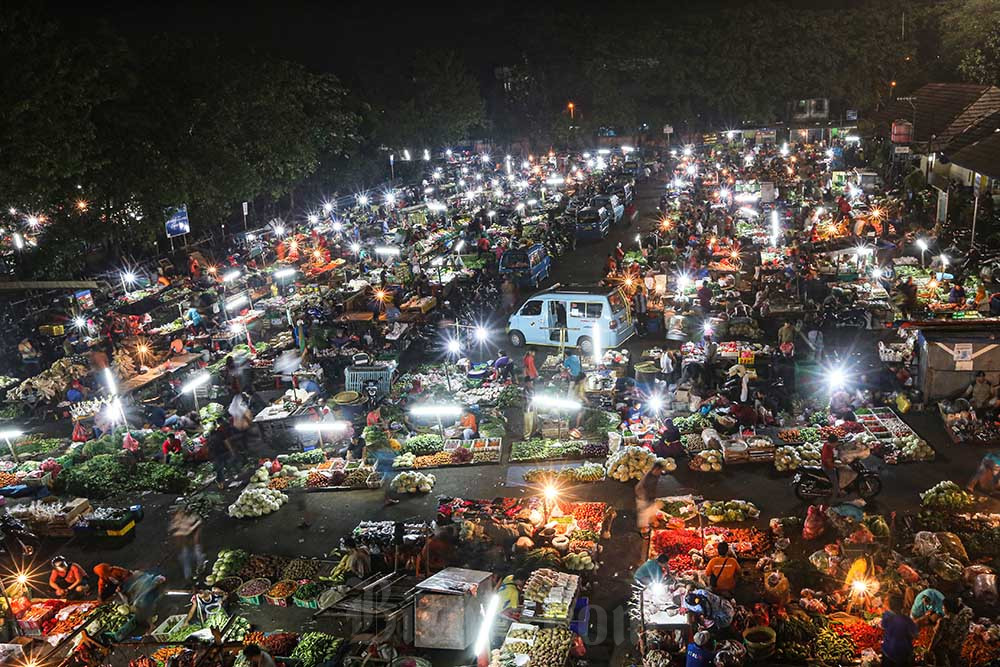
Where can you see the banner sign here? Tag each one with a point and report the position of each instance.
(177, 221)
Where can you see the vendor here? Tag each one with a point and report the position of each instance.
(957, 294)
(928, 606)
(257, 657)
(468, 424)
(177, 347)
(708, 610)
(203, 603)
(653, 570)
(503, 366)
(110, 579)
(509, 592)
(172, 445)
(987, 476)
(981, 393)
(68, 579)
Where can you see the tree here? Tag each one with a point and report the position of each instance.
(430, 104)
(981, 64)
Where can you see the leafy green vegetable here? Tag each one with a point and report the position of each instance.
(422, 445)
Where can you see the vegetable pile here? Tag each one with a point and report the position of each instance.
(946, 496)
(315, 648)
(412, 482)
(254, 502)
(730, 510)
(633, 462)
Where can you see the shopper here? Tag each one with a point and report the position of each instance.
(722, 571)
(698, 652)
(110, 579)
(646, 506)
(530, 370)
(185, 529)
(987, 477)
(898, 633)
(951, 633)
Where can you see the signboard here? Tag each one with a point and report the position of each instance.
(246, 209)
(900, 149)
(84, 299)
(177, 221)
(942, 206)
(851, 114)
(668, 129)
(767, 192)
(978, 184)
(962, 352)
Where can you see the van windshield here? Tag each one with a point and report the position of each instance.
(514, 260)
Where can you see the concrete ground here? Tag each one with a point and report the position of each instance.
(337, 513)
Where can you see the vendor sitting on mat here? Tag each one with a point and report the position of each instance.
(68, 579)
(203, 603)
(470, 427)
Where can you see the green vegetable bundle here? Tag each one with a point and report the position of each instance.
(316, 648)
(375, 438)
(422, 445)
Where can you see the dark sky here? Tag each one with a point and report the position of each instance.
(333, 36)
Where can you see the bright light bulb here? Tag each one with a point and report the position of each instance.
(363, 200)
(454, 347)
(327, 207)
(481, 334)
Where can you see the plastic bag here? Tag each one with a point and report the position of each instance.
(926, 543)
(903, 403)
(776, 588)
(815, 523)
(970, 573)
(821, 561)
(908, 574)
(984, 588)
(952, 544)
(79, 433)
(130, 443)
(577, 648)
(947, 567)
(711, 438)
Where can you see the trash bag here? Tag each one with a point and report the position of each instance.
(952, 544)
(947, 567)
(908, 574)
(926, 543)
(776, 588)
(814, 524)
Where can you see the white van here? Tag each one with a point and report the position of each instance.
(572, 315)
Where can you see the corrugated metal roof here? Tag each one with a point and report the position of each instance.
(972, 117)
(982, 156)
(982, 129)
(936, 107)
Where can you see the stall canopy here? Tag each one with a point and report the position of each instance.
(952, 352)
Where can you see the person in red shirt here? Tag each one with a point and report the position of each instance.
(110, 579)
(530, 370)
(827, 459)
(68, 579)
(172, 445)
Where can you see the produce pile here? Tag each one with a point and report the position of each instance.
(276, 644)
(801, 434)
(732, 511)
(946, 496)
(694, 423)
(543, 448)
(908, 448)
(105, 475)
(421, 445)
(633, 462)
(708, 460)
(257, 501)
(412, 482)
(788, 457)
(228, 563)
(588, 472)
(53, 382)
(315, 648)
(679, 545)
(550, 648)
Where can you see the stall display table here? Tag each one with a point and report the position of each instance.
(168, 367)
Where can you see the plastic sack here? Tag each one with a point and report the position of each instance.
(984, 588)
(903, 403)
(951, 544)
(908, 574)
(814, 524)
(577, 648)
(926, 543)
(129, 443)
(821, 561)
(776, 588)
(970, 573)
(861, 536)
(79, 433)
(947, 567)
(711, 438)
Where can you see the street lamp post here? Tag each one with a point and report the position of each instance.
(7, 435)
(436, 411)
(192, 385)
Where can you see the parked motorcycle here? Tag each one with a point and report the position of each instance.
(16, 539)
(811, 482)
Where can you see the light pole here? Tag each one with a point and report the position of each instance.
(7, 435)
(436, 411)
(454, 349)
(572, 110)
(922, 244)
(193, 384)
(557, 404)
(319, 428)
